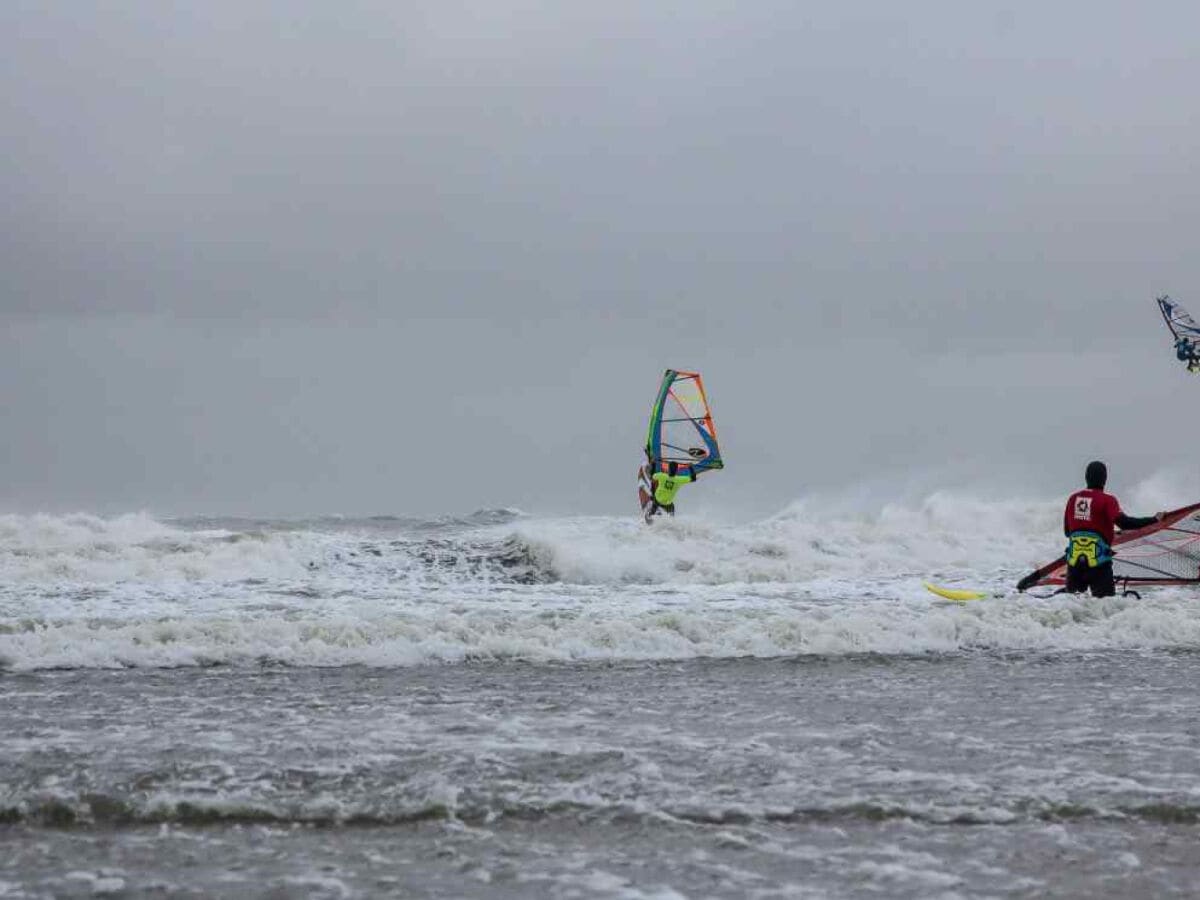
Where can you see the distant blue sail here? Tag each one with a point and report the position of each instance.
(1184, 330)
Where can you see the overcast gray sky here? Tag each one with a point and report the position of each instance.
(292, 258)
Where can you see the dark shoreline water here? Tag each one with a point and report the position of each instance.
(970, 774)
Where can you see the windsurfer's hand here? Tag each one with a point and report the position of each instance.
(1160, 516)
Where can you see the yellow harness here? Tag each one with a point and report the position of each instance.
(1089, 547)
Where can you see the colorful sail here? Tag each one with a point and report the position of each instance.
(1165, 553)
(681, 425)
(1184, 330)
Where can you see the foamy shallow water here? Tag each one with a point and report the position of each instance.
(506, 706)
(83, 592)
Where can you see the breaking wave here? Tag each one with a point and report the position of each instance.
(443, 803)
(132, 591)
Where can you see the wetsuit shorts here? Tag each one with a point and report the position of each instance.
(1099, 579)
(655, 506)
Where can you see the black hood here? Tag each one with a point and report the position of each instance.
(1096, 475)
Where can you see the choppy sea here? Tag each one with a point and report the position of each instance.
(504, 705)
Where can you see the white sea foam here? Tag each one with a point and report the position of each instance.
(804, 543)
(634, 628)
(83, 591)
(90, 550)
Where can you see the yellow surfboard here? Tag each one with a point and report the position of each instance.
(959, 596)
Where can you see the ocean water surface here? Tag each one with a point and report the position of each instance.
(502, 705)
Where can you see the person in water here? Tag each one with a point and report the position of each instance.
(1089, 522)
(666, 486)
(1185, 351)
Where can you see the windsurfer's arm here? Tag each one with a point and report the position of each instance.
(1133, 523)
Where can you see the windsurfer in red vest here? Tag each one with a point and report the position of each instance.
(1089, 522)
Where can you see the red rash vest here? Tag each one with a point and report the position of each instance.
(1092, 510)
